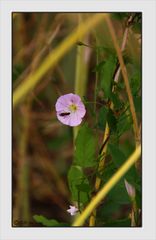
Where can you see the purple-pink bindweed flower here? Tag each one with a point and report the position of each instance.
(70, 109)
(72, 210)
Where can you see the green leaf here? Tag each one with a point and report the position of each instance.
(106, 75)
(119, 158)
(85, 147)
(109, 208)
(117, 103)
(118, 194)
(119, 85)
(139, 199)
(127, 147)
(102, 118)
(124, 123)
(83, 187)
(108, 172)
(77, 180)
(117, 155)
(99, 66)
(135, 80)
(112, 121)
(126, 222)
(48, 222)
(137, 27)
(137, 103)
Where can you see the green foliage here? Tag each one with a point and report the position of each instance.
(48, 222)
(108, 171)
(124, 123)
(137, 26)
(85, 147)
(118, 158)
(127, 148)
(138, 196)
(135, 81)
(112, 121)
(120, 15)
(102, 118)
(106, 74)
(83, 187)
(117, 155)
(137, 103)
(89, 107)
(106, 70)
(99, 66)
(108, 208)
(84, 158)
(17, 70)
(106, 115)
(117, 103)
(126, 222)
(78, 184)
(119, 194)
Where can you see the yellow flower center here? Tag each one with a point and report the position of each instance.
(73, 108)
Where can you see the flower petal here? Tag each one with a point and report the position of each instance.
(75, 119)
(72, 210)
(62, 104)
(81, 109)
(64, 119)
(75, 98)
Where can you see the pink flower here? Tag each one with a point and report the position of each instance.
(130, 189)
(70, 109)
(72, 210)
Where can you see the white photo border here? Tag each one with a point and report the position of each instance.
(148, 9)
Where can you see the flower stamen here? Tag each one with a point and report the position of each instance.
(73, 108)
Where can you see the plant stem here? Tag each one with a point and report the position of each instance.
(107, 187)
(134, 214)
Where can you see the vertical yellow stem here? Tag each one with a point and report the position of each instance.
(81, 76)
